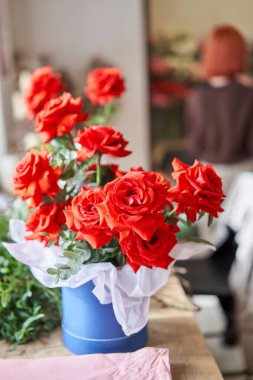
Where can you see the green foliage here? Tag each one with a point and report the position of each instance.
(79, 252)
(27, 308)
(102, 116)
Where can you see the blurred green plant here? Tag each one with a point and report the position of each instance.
(27, 308)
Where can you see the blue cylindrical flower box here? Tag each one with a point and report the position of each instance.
(90, 327)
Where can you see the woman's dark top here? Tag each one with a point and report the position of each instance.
(219, 123)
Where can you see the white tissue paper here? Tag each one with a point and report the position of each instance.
(128, 292)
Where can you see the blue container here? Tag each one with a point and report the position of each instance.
(90, 327)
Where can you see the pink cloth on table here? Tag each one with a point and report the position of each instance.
(145, 364)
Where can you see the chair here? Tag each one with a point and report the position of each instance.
(210, 277)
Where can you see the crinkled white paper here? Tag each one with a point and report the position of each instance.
(128, 292)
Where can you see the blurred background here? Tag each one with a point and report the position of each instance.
(158, 45)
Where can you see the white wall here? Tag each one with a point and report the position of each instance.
(72, 32)
(198, 16)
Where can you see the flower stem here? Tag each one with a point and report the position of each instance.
(108, 111)
(98, 174)
(70, 142)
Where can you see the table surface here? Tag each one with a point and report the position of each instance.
(172, 325)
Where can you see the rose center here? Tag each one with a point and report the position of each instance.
(132, 199)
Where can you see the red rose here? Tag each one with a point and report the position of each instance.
(150, 253)
(133, 202)
(59, 117)
(44, 85)
(34, 177)
(198, 188)
(46, 222)
(154, 177)
(104, 84)
(103, 139)
(84, 218)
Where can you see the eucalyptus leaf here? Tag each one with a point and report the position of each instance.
(70, 255)
(52, 242)
(52, 271)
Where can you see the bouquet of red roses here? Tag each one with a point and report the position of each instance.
(90, 209)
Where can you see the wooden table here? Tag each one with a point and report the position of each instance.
(171, 325)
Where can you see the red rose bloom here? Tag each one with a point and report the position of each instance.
(150, 253)
(44, 85)
(59, 117)
(84, 218)
(104, 84)
(198, 188)
(34, 177)
(46, 222)
(103, 139)
(133, 202)
(154, 176)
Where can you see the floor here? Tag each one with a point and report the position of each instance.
(212, 323)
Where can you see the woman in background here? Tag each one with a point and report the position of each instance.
(219, 113)
(219, 125)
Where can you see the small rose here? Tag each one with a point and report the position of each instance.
(83, 217)
(46, 222)
(34, 177)
(103, 139)
(198, 188)
(44, 85)
(104, 84)
(59, 117)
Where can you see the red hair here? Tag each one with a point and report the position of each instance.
(225, 52)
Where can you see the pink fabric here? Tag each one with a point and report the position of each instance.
(148, 363)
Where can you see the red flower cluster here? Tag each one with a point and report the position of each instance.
(104, 84)
(99, 138)
(44, 85)
(130, 208)
(198, 188)
(133, 215)
(59, 117)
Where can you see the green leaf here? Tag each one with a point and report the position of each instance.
(97, 119)
(201, 214)
(52, 271)
(70, 255)
(188, 222)
(5, 298)
(194, 239)
(32, 319)
(52, 242)
(85, 254)
(27, 308)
